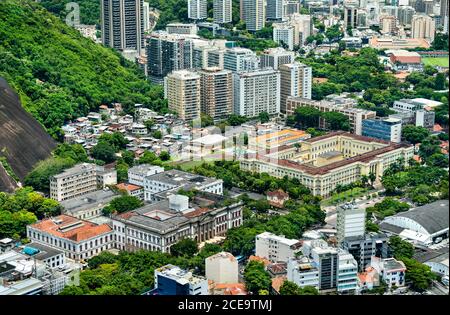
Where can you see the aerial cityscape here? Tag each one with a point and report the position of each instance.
(224, 148)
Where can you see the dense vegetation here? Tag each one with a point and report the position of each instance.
(389, 206)
(60, 75)
(309, 117)
(22, 208)
(89, 9)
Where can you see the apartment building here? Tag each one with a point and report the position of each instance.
(392, 271)
(172, 280)
(303, 272)
(274, 10)
(275, 248)
(253, 13)
(295, 81)
(122, 24)
(216, 92)
(389, 129)
(197, 9)
(355, 115)
(303, 27)
(347, 277)
(290, 7)
(88, 206)
(284, 34)
(255, 92)
(78, 239)
(423, 26)
(166, 53)
(222, 268)
(159, 225)
(322, 163)
(239, 59)
(222, 11)
(350, 222)
(275, 57)
(182, 91)
(73, 182)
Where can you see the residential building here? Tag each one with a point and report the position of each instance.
(255, 92)
(290, 7)
(253, 13)
(303, 27)
(137, 173)
(239, 59)
(172, 280)
(391, 270)
(106, 176)
(347, 277)
(197, 9)
(182, 91)
(423, 26)
(159, 225)
(295, 81)
(216, 92)
(350, 16)
(388, 24)
(412, 113)
(88, 206)
(355, 115)
(274, 10)
(325, 258)
(222, 268)
(78, 239)
(405, 15)
(283, 34)
(350, 222)
(389, 129)
(30, 286)
(182, 29)
(364, 247)
(275, 57)
(303, 272)
(73, 182)
(277, 198)
(131, 190)
(146, 16)
(122, 25)
(326, 161)
(222, 11)
(275, 248)
(173, 180)
(167, 53)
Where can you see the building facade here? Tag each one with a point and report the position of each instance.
(275, 248)
(222, 11)
(197, 9)
(295, 81)
(216, 92)
(253, 13)
(350, 222)
(389, 129)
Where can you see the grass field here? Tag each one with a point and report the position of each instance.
(187, 165)
(440, 61)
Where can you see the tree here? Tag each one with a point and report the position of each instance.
(256, 277)
(307, 116)
(164, 156)
(157, 134)
(289, 288)
(115, 140)
(415, 134)
(264, 117)
(149, 124)
(401, 249)
(128, 157)
(336, 121)
(74, 151)
(122, 204)
(418, 275)
(185, 247)
(372, 178)
(104, 151)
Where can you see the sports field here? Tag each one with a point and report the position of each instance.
(440, 61)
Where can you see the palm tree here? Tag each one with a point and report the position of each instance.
(372, 178)
(364, 180)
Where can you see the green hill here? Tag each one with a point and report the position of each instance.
(60, 75)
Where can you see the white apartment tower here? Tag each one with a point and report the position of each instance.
(122, 24)
(222, 11)
(255, 92)
(275, 57)
(295, 80)
(423, 26)
(221, 268)
(351, 221)
(253, 12)
(283, 34)
(197, 9)
(240, 59)
(275, 248)
(182, 91)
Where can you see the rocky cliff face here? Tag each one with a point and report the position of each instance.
(23, 141)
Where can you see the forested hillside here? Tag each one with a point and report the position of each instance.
(60, 75)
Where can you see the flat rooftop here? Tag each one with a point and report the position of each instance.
(88, 201)
(180, 178)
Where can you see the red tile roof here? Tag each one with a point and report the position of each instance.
(59, 227)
